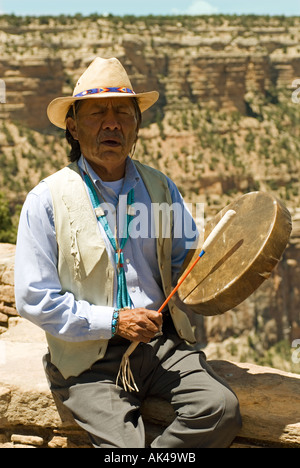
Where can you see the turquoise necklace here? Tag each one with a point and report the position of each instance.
(123, 298)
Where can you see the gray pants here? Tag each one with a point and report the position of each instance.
(207, 411)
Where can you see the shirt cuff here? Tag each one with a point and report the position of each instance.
(100, 328)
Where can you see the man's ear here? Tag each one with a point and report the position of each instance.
(72, 127)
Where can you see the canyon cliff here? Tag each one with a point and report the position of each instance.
(225, 125)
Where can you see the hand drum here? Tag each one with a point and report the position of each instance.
(241, 259)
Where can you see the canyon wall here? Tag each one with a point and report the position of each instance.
(225, 124)
(192, 60)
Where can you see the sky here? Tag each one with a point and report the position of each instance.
(154, 7)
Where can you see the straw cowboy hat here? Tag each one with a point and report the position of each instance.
(102, 79)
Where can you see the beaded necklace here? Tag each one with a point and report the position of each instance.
(123, 298)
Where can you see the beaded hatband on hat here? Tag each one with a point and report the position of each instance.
(104, 78)
(104, 90)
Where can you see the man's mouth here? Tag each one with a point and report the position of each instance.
(111, 143)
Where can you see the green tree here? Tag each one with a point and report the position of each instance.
(7, 229)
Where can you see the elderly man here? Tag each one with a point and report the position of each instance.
(92, 273)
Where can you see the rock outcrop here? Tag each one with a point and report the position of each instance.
(7, 294)
(30, 86)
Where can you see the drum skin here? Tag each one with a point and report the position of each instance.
(241, 260)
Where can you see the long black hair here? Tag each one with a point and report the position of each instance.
(75, 151)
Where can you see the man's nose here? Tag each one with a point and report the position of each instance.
(111, 121)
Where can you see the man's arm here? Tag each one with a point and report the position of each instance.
(37, 286)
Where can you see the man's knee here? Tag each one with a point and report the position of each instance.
(218, 421)
(230, 422)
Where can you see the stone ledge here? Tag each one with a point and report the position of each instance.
(269, 399)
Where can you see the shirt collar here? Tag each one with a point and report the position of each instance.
(131, 178)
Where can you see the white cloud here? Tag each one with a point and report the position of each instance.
(201, 8)
(198, 7)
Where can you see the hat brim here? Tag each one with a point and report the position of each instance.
(58, 108)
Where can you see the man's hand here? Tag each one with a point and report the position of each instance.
(139, 324)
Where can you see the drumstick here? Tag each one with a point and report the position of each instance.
(215, 234)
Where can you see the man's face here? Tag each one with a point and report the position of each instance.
(106, 129)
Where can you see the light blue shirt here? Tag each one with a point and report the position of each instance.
(37, 285)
